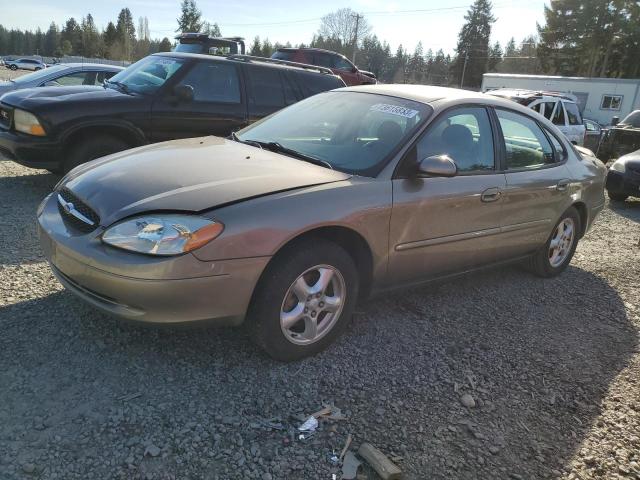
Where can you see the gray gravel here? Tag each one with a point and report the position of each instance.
(498, 375)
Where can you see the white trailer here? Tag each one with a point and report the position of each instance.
(599, 99)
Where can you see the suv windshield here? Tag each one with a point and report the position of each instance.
(196, 47)
(353, 132)
(35, 76)
(147, 75)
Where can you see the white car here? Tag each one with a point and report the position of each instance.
(560, 108)
(25, 64)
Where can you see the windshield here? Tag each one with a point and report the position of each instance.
(354, 132)
(40, 74)
(147, 75)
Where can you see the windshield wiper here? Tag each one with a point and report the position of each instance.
(124, 88)
(279, 148)
(236, 138)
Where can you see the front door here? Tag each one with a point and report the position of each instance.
(445, 225)
(538, 187)
(217, 107)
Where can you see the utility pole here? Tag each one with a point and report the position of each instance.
(357, 16)
(464, 68)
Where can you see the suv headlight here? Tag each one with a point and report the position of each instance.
(26, 122)
(162, 234)
(618, 166)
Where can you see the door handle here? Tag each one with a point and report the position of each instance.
(491, 194)
(562, 185)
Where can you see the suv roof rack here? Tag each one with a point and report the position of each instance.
(251, 58)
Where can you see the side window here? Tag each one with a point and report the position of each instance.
(537, 107)
(558, 115)
(102, 76)
(72, 79)
(213, 82)
(558, 150)
(266, 87)
(548, 109)
(313, 83)
(322, 59)
(525, 143)
(342, 64)
(290, 94)
(573, 113)
(465, 135)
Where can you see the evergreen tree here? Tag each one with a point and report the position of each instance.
(495, 57)
(165, 45)
(72, 34)
(256, 48)
(473, 45)
(52, 40)
(126, 35)
(91, 40)
(191, 18)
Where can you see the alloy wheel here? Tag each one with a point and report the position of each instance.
(561, 242)
(313, 304)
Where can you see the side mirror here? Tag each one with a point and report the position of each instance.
(183, 93)
(438, 166)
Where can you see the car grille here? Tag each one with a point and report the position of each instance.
(5, 117)
(75, 212)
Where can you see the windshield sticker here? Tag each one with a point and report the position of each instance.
(394, 110)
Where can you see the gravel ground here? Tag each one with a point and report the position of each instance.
(6, 74)
(553, 367)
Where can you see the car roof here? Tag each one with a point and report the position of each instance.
(242, 58)
(309, 49)
(419, 93)
(91, 65)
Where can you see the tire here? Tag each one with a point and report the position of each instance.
(13, 67)
(617, 197)
(542, 262)
(275, 297)
(37, 68)
(91, 148)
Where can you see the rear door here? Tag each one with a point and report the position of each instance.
(575, 127)
(217, 108)
(267, 90)
(537, 183)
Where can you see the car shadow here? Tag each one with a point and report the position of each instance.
(630, 208)
(537, 356)
(19, 200)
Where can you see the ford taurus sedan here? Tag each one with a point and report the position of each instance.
(288, 223)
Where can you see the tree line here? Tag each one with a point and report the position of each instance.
(578, 38)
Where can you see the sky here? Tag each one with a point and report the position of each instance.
(434, 22)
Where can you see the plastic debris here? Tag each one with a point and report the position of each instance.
(309, 425)
(350, 466)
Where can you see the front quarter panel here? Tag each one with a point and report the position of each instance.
(589, 175)
(262, 226)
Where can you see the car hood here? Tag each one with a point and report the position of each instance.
(192, 175)
(30, 98)
(632, 158)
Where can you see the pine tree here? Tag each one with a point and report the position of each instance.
(473, 45)
(165, 45)
(191, 18)
(495, 57)
(126, 34)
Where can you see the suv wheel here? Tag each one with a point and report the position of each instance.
(557, 252)
(93, 147)
(304, 301)
(13, 67)
(617, 197)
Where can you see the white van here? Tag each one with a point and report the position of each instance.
(560, 108)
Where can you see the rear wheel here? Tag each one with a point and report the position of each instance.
(304, 301)
(556, 254)
(13, 67)
(617, 197)
(93, 147)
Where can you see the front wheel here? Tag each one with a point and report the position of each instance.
(556, 254)
(91, 148)
(13, 67)
(304, 300)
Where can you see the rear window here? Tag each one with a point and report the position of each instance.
(196, 47)
(266, 87)
(573, 113)
(280, 55)
(316, 83)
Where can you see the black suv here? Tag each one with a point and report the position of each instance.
(161, 97)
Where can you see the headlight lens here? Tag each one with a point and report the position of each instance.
(26, 122)
(162, 234)
(618, 166)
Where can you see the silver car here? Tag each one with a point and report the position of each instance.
(293, 220)
(63, 75)
(25, 64)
